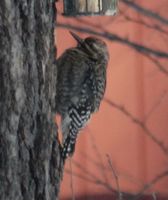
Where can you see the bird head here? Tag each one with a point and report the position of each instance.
(94, 47)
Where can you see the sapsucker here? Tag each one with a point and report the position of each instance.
(81, 85)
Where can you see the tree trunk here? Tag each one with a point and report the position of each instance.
(29, 151)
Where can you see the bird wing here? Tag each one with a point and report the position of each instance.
(72, 70)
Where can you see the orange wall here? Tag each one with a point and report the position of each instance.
(134, 82)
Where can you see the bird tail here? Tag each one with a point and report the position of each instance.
(69, 147)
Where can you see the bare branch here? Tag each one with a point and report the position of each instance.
(146, 51)
(115, 176)
(146, 12)
(140, 124)
(114, 37)
(157, 64)
(101, 166)
(154, 196)
(92, 177)
(156, 105)
(71, 181)
(88, 176)
(155, 27)
(151, 184)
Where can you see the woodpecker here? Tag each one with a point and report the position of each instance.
(81, 83)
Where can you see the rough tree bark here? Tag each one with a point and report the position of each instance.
(29, 151)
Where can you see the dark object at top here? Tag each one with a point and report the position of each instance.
(90, 7)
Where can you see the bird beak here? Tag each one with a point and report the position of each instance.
(77, 38)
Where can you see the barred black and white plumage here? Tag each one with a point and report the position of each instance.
(79, 116)
(81, 85)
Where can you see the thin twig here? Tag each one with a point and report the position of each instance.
(150, 184)
(157, 63)
(140, 123)
(156, 105)
(114, 37)
(154, 27)
(98, 154)
(154, 196)
(71, 179)
(115, 177)
(94, 177)
(96, 181)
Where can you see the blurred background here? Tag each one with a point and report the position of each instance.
(125, 145)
